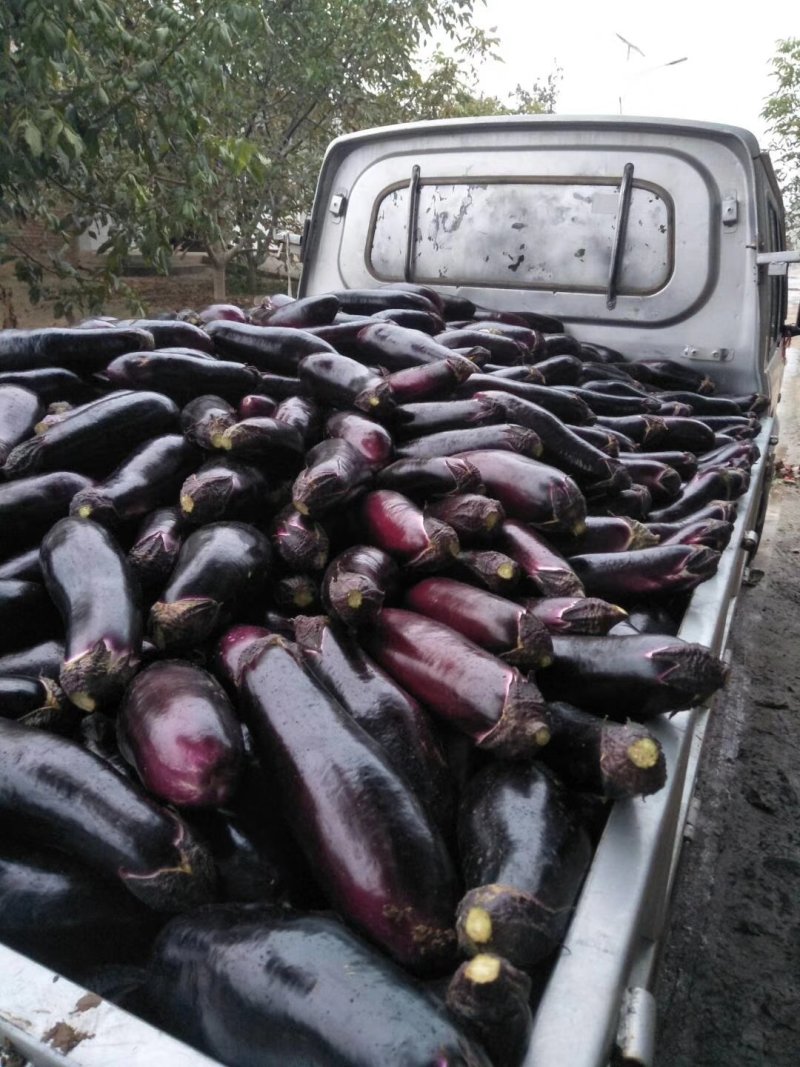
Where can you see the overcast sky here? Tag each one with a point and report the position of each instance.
(725, 78)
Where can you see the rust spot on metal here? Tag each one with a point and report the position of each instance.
(87, 1001)
(64, 1038)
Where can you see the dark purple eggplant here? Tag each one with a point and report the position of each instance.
(597, 755)
(633, 503)
(754, 403)
(523, 372)
(219, 567)
(183, 377)
(531, 340)
(335, 473)
(569, 409)
(715, 483)
(59, 794)
(503, 350)
(531, 491)
(644, 430)
(256, 406)
(303, 415)
(204, 418)
(495, 571)
(490, 999)
(662, 482)
(576, 615)
(609, 372)
(660, 571)
(280, 386)
(702, 405)
(298, 594)
(232, 650)
(559, 370)
(545, 568)
(431, 477)
(308, 311)
(603, 440)
(264, 440)
(475, 519)
(601, 353)
(690, 435)
(430, 380)
(48, 383)
(669, 374)
(606, 404)
(372, 440)
(155, 550)
(274, 349)
(388, 714)
(427, 321)
(650, 618)
(92, 585)
(433, 296)
(416, 420)
(685, 463)
(298, 541)
(559, 343)
(489, 621)
(81, 351)
(30, 506)
(673, 410)
(215, 312)
(742, 454)
(534, 320)
(609, 533)
(97, 439)
(223, 489)
(398, 888)
(395, 524)
(617, 388)
(739, 427)
(39, 661)
(20, 409)
(396, 348)
(353, 1006)
(631, 677)
(469, 688)
(151, 477)
(176, 726)
(524, 854)
(27, 614)
(22, 695)
(25, 566)
(368, 301)
(569, 452)
(342, 334)
(64, 915)
(335, 379)
(713, 533)
(357, 582)
(171, 333)
(501, 437)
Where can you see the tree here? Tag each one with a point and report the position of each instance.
(782, 112)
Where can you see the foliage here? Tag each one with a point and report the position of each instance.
(782, 111)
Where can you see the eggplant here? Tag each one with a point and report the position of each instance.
(669, 374)
(171, 333)
(41, 661)
(99, 604)
(646, 431)
(713, 483)
(702, 405)
(334, 474)
(524, 854)
(636, 677)
(501, 437)
(369, 438)
(342, 335)
(62, 914)
(429, 380)
(413, 420)
(532, 340)
(388, 714)
(597, 755)
(265, 440)
(27, 614)
(204, 418)
(395, 524)
(96, 440)
(576, 615)
(220, 566)
(469, 688)
(398, 887)
(353, 1006)
(223, 489)
(489, 621)
(368, 301)
(604, 440)
(81, 351)
(227, 312)
(608, 404)
(601, 353)
(256, 406)
(433, 296)
(494, 570)
(20, 409)
(633, 503)
(662, 482)
(617, 388)
(150, 477)
(474, 518)
(281, 386)
(503, 350)
(739, 427)
(429, 322)
(299, 594)
(21, 695)
(660, 571)
(177, 728)
(357, 582)
(396, 348)
(232, 649)
(559, 370)
(713, 533)
(489, 998)
(692, 435)
(59, 794)
(298, 541)
(531, 491)
(274, 349)
(154, 552)
(183, 377)
(48, 383)
(545, 568)
(570, 409)
(523, 372)
(741, 454)
(343, 382)
(685, 463)
(609, 533)
(534, 320)
(302, 414)
(308, 311)
(560, 343)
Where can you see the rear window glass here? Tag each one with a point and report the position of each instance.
(545, 234)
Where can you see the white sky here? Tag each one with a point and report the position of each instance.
(725, 79)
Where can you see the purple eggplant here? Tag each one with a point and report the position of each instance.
(503, 350)
(570, 409)
(429, 380)
(183, 377)
(475, 519)
(99, 605)
(633, 677)
(659, 571)
(398, 888)
(395, 524)
(204, 418)
(81, 351)
(298, 541)
(609, 533)
(524, 854)
(335, 473)
(669, 374)
(712, 484)
(223, 489)
(275, 349)
(494, 570)
(255, 406)
(471, 689)
(662, 482)
(604, 440)
(343, 382)
(501, 437)
(608, 404)
(700, 404)
(559, 370)
(357, 582)
(176, 726)
(308, 311)
(369, 438)
(298, 594)
(429, 322)
(416, 420)
(435, 477)
(154, 553)
(266, 441)
(27, 614)
(489, 997)
(545, 568)
(220, 566)
(576, 615)
(20, 409)
(368, 301)
(396, 348)
(43, 660)
(533, 320)
(170, 333)
(489, 621)
(742, 454)
(30, 506)
(713, 533)
(50, 384)
(633, 503)
(21, 695)
(303, 415)
(690, 435)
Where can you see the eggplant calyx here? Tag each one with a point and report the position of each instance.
(97, 676)
(184, 622)
(189, 883)
(523, 726)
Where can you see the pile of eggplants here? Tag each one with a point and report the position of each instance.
(329, 632)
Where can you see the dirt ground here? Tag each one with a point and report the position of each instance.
(729, 985)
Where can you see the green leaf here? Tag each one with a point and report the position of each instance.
(33, 137)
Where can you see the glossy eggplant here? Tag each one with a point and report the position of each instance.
(303, 415)
(503, 350)
(154, 552)
(609, 533)
(280, 386)
(368, 301)
(490, 999)
(700, 404)
(576, 615)
(714, 483)
(27, 614)
(183, 377)
(343, 382)
(678, 434)
(20, 409)
(741, 454)
(223, 488)
(395, 524)
(204, 418)
(633, 677)
(608, 404)
(416, 420)
(475, 519)
(633, 503)
(429, 380)
(534, 320)
(713, 533)
(298, 594)
(177, 727)
(354, 1007)
(658, 571)
(662, 482)
(97, 439)
(669, 374)
(545, 568)
(21, 695)
(256, 406)
(357, 582)
(489, 621)
(308, 311)
(504, 437)
(643, 430)
(274, 349)
(372, 440)
(81, 351)
(396, 348)
(38, 661)
(388, 714)
(429, 322)
(220, 566)
(266, 441)
(603, 440)
(397, 886)
(299, 542)
(99, 604)
(467, 687)
(334, 474)
(596, 755)
(48, 383)
(494, 570)
(171, 333)
(524, 854)
(570, 409)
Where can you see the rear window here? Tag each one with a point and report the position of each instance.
(554, 233)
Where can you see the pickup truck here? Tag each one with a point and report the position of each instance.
(661, 239)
